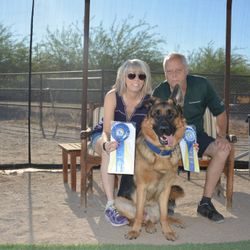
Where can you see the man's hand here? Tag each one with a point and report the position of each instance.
(196, 147)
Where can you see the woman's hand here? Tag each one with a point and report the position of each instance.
(110, 146)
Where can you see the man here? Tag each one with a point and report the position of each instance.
(199, 94)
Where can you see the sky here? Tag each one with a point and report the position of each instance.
(184, 25)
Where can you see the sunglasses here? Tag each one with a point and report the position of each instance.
(131, 76)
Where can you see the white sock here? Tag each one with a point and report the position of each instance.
(109, 203)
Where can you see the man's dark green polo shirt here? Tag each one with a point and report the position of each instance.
(200, 94)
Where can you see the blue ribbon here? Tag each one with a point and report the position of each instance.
(190, 138)
(120, 133)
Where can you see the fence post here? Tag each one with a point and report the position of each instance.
(41, 101)
(102, 86)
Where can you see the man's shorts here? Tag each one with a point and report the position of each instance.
(203, 139)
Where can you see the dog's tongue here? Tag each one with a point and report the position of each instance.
(167, 139)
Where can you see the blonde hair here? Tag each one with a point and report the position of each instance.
(130, 65)
(172, 56)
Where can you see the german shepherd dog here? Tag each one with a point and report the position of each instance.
(156, 163)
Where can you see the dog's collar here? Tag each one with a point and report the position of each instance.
(158, 150)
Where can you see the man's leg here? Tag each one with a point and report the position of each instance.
(218, 150)
(215, 167)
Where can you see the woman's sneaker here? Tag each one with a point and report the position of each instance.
(113, 216)
(208, 210)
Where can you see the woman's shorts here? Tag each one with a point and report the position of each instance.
(93, 139)
(203, 139)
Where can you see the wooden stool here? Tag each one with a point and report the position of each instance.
(73, 150)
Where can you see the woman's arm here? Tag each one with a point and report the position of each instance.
(109, 110)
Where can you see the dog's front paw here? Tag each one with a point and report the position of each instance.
(180, 225)
(176, 222)
(131, 235)
(150, 227)
(171, 236)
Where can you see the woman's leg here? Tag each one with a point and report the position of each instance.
(107, 179)
(111, 214)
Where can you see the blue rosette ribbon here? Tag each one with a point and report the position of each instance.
(190, 139)
(120, 132)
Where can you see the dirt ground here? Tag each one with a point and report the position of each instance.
(37, 207)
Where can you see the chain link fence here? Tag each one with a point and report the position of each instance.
(56, 111)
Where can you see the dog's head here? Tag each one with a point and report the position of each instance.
(164, 124)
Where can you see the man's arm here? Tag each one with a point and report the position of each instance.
(221, 125)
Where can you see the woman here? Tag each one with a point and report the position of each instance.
(122, 103)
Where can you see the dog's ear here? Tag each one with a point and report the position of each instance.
(148, 103)
(177, 95)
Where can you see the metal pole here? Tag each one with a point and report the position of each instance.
(85, 65)
(83, 157)
(30, 71)
(228, 59)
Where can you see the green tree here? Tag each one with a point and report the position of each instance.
(14, 55)
(60, 50)
(109, 48)
(211, 60)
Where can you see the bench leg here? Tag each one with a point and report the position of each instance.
(65, 165)
(83, 186)
(230, 179)
(73, 170)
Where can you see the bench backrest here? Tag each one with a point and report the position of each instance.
(209, 123)
(98, 115)
(94, 115)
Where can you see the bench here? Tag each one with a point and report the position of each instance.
(88, 160)
(70, 151)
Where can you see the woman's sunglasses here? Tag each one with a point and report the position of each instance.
(132, 76)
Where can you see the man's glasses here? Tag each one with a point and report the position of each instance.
(174, 72)
(132, 76)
